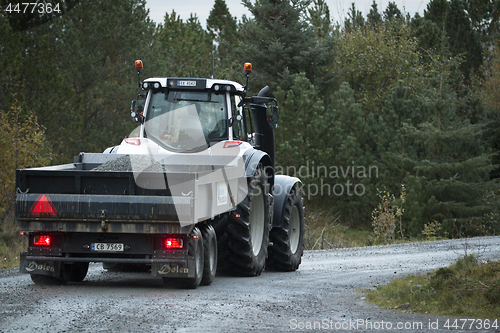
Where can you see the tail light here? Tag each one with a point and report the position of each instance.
(174, 243)
(42, 240)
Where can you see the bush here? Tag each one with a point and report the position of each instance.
(22, 145)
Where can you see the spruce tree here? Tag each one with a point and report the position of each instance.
(443, 161)
(460, 37)
(280, 43)
(222, 28)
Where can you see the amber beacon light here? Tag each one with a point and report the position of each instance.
(138, 65)
(247, 68)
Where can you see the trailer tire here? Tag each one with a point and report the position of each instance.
(209, 254)
(249, 226)
(288, 239)
(46, 280)
(74, 272)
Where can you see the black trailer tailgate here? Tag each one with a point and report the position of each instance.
(93, 213)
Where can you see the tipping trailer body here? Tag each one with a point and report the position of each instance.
(107, 216)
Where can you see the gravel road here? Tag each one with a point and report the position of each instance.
(324, 294)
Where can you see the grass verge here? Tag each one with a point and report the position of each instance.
(468, 288)
(11, 245)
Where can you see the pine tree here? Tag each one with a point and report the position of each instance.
(355, 20)
(374, 18)
(392, 13)
(298, 106)
(187, 45)
(342, 157)
(319, 17)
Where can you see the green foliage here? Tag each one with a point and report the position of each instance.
(299, 108)
(75, 73)
(280, 43)
(431, 230)
(355, 19)
(383, 102)
(223, 30)
(449, 32)
(466, 288)
(186, 46)
(319, 17)
(374, 18)
(392, 13)
(372, 61)
(387, 215)
(489, 94)
(23, 145)
(451, 170)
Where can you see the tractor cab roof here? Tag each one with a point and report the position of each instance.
(215, 85)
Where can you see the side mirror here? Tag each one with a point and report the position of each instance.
(136, 111)
(272, 116)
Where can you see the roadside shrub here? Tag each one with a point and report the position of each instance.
(431, 230)
(22, 145)
(493, 293)
(385, 216)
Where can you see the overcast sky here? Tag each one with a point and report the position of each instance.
(338, 8)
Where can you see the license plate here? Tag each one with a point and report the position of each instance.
(108, 247)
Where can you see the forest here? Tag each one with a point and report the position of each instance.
(391, 120)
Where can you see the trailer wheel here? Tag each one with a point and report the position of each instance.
(196, 250)
(74, 272)
(288, 239)
(210, 254)
(46, 280)
(248, 228)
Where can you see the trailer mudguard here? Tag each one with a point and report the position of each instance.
(282, 187)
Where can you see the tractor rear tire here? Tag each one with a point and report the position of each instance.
(288, 239)
(210, 254)
(248, 228)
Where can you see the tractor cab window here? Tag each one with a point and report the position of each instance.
(237, 119)
(186, 120)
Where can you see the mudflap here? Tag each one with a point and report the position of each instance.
(174, 269)
(45, 267)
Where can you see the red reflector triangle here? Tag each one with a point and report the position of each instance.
(43, 207)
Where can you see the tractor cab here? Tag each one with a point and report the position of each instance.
(189, 115)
